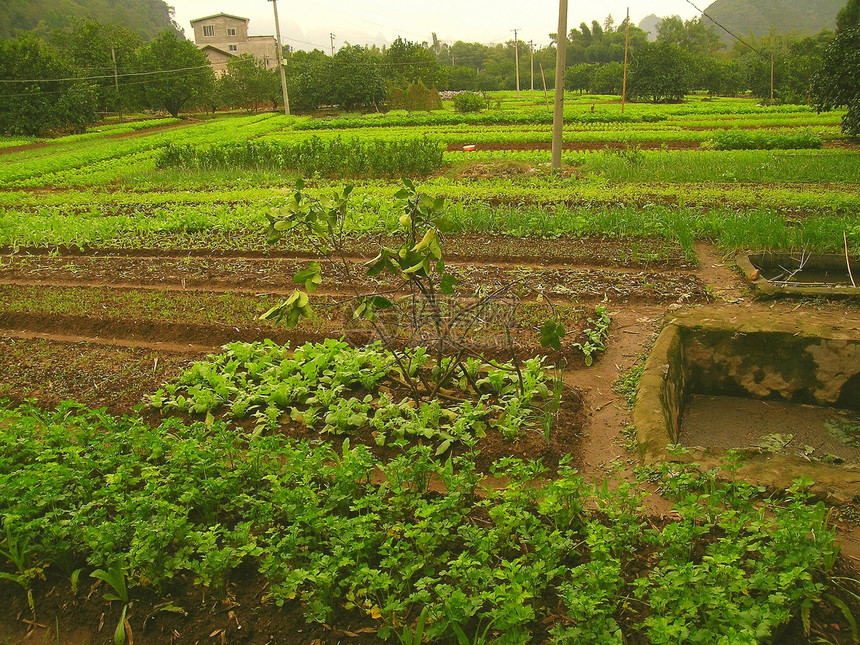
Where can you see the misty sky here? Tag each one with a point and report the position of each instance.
(306, 24)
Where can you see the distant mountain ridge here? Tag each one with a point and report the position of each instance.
(745, 17)
(144, 17)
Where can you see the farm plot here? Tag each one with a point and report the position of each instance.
(348, 490)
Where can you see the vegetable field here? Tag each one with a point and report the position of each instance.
(257, 387)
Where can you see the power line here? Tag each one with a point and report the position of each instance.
(725, 29)
(92, 78)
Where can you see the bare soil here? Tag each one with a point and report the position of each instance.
(731, 422)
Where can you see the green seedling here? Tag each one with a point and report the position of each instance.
(116, 578)
(19, 554)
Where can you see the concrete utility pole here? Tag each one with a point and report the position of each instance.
(116, 82)
(626, 49)
(517, 58)
(279, 57)
(532, 50)
(772, 71)
(331, 38)
(558, 114)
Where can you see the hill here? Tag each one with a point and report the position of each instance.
(649, 25)
(145, 17)
(744, 17)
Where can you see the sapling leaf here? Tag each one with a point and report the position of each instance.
(426, 241)
(551, 334)
(447, 285)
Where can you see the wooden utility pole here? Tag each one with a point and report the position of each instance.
(560, 59)
(772, 70)
(331, 37)
(517, 58)
(545, 93)
(279, 55)
(626, 50)
(532, 51)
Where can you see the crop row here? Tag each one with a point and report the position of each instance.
(241, 227)
(484, 118)
(312, 157)
(39, 165)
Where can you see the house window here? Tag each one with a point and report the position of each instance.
(208, 30)
(234, 48)
(231, 32)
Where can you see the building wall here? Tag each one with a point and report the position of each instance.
(261, 47)
(220, 25)
(264, 48)
(218, 61)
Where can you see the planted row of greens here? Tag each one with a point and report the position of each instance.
(42, 166)
(241, 227)
(144, 506)
(312, 157)
(484, 118)
(762, 140)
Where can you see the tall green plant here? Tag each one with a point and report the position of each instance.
(431, 311)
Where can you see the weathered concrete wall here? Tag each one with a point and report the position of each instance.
(661, 395)
(220, 24)
(810, 359)
(772, 365)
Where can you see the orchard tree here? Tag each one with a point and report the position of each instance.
(837, 84)
(661, 71)
(308, 79)
(181, 76)
(607, 79)
(407, 62)
(248, 83)
(34, 107)
(355, 77)
(579, 77)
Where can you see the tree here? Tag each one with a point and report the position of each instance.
(849, 16)
(607, 79)
(579, 77)
(182, 76)
(100, 49)
(307, 78)
(837, 84)
(407, 62)
(355, 77)
(719, 76)
(661, 71)
(38, 106)
(248, 83)
(694, 36)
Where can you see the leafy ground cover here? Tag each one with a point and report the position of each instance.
(421, 543)
(235, 512)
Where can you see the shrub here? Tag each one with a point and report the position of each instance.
(468, 102)
(415, 97)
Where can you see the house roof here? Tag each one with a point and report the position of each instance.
(227, 15)
(218, 49)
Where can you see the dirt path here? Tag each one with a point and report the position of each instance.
(119, 135)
